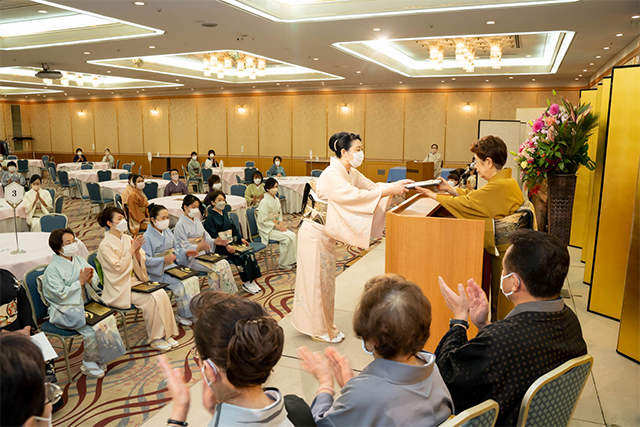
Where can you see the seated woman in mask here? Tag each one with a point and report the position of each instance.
(255, 191)
(175, 186)
(138, 204)
(271, 227)
(37, 202)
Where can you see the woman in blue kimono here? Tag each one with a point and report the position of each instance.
(191, 236)
(162, 254)
(63, 289)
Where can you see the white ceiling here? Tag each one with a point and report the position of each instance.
(595, 22)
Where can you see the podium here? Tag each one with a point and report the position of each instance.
(420, 171)
(425, 241)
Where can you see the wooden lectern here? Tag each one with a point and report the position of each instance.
(420, 171)
(425, 241)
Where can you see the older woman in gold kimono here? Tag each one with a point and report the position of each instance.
(500, 197)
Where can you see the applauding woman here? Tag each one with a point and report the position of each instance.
(37, 202)
(124, 265)
(271, 227)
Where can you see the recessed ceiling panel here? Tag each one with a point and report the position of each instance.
(28, 24)
(8, 90)
(466, 55)
(331, 10)
(229, 66)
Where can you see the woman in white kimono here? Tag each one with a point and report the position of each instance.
(341, 205)
(63, 289)
(37, 202)
(162, 254)
(190, 235)
(123, 266)
(270, 226)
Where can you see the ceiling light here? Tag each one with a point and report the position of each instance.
(491, 22)
(467, 107)
(87, 53)
(441, 81)
(635, 17)
(277, 84)
(619, 35)
(152, 47)
(344, 108)
(584, 70)
(154, 112)
(108, 71)
(376, 29)
(453, 78)
(577, 78)
(361, 82)
(486, 80)
(591, 63)
(42, 11)
(528, 56)
(606, 48)
(579, 75)
(358, 72)
(316, 59)
(533, 80)
(511, 77)
(398, 82)
(598, 57)
(139, 3)
(47, 82)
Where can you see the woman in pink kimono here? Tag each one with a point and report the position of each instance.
(341, 205)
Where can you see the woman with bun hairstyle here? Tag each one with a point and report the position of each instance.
(123, 265)
(237, 345)
(341, 205)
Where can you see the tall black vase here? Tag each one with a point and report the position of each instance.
(562, 190)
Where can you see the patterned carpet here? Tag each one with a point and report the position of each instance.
(134, 388)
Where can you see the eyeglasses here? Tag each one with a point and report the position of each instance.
(52, 392)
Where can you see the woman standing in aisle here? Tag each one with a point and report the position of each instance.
(341, 205)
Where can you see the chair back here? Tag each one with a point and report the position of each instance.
(104, 175)
(118, 200)
(52, 191)
(57, 205)
(118, 164)
(238, 179)
(184, 172)
(93, 188)
(248, 175)
(483, 415)
(238, 190)
(86, 166)
(253, 225)
(93, 262)
(235, 219)
(140, 170)
(52, 174)
(552, 398)
(127, 167)
(45, 160)
(23, 165)
(202, 165)
(249, 164)
(38, 308)
(12, 157)
(123, 176)
(151, 190)
(206, 174)
(166, 176)
(316, 173)
(54, 221)
(63, 176)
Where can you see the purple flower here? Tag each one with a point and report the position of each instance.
(554, 109)
(537, 126)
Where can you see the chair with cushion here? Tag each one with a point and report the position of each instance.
(52, 191)
(249, 164)
(53, 221)
(86, 166)
(189, 180)
(118, 164)
(66, 183)
(238, 190)
(248, 175)
(45, 165)
(95, 195)
(12, 157)
(552, 398)
(23, 166)
(239, 180)
(316, 173)
(151, 190)
(140, 170)
(166, 176)
(482, 415)
(206, 174)
(57, 204)
(255, 237)
(52, 173)
(118, 201)
(124, 176)
(257, 247)
(127, 167)
(104, 175)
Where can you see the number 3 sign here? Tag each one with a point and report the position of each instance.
(13, 194)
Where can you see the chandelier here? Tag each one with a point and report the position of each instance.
(466, 50)
(78, 78)
(245, 65)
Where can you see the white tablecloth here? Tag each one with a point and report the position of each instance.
(91, 175)
(6, 218)
(174, 206)
(37, 252)
(76, 166)
(229, 177)
(292, 188)
(110, 188)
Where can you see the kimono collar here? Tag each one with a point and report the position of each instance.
(161, 233)
(401, 373)
(273, 415)
(335, 163)
(501, 174)
(548, 306)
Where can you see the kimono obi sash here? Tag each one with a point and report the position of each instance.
(523, 218)
(315, 208)
(164, 253)
(196, 240)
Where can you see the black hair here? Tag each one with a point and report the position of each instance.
(189, 199)
(435, 145)
(106, 149)
(135, 176)
(210, 152)
(55, 238)
(78, 149)
(11, 163)
(454, 175)
(213, 179)
(107, 215)
(341, 140)
(34, 178)
(257, 172)
(541, 261)
(214, 195)
(130, 176)
(193, 152)
(175, 170)
(270, 183)
(278, 158)
(154, 210)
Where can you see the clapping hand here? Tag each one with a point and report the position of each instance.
(86, 275)
(169, 258)
(339, 365)
(177, 387)
(191, 253)
(221, 241)
(475, 306)
(203, 246)
(317, 366)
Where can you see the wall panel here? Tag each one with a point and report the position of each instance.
(3, 110)
(310, 125)
(60, 127)
(155, 126)
(346, 121)
(572, 96)
(183, 126)
(82, 127)
(40, 129)
(243, 126)
(106, 126)
(25, 110)
(130, 127)
(384, 126)
(275, 126)
(504, 104)
(462, 126)
(424, 124)
(212, 125)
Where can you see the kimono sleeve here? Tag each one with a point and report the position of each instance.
(59, 291)
(210, 228)
(264, 217)
(273, 171)
(155, 266)
(181, 234)
(95, 279)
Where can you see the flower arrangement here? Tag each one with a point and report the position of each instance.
(557, 143)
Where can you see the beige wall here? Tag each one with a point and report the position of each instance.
(395, 126)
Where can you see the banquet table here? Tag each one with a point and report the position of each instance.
(174, 206)
(110, 188)
(37, 252)
(229, 177)
(6, 218)
(292, 188)
(34, 166)
(397, 173)
(76, 166)
(91, 175)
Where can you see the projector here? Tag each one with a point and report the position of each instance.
(49, 74)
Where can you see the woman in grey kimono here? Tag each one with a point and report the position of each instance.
(63, 288)
(162, 254)
(191, 236)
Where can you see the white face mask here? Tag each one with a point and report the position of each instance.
(162, 225)
(122, 226)
(364, 348)
(358, 158)
(273, 191)
(452, 183)
(11, 168)
(221, 205)
(70, 250)
(277, 163)
(506, 294)
(217, 186)
(194, 157)
(44, 420)
(140, 185)
(211, 156)
(80, 153)
(193, 213)
(175, 178)
(215, 371)
(257, 181)
(1, 158)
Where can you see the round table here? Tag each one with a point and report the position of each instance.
(110, 188)
(229, 177)
(76, 166)
(91, 175)
(292, 188)
(37, 252)
(6, 218)
(174, 206)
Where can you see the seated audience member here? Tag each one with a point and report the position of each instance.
(175, 186)
(472, 180)
(63, 288)
(276, 169)
(219, 225)
(37, 202)
(25, 399)
(123, 266)
(12, 175)
(271, 227)
(508, 355)
(453, 179)
(211, 163)
(215, 184)
(194, 171)
(255, 191)
(138, 205)
(402, 385)
(191, 236)
(130, 188)
(108, 158)
(79, 157)
(237, 345)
